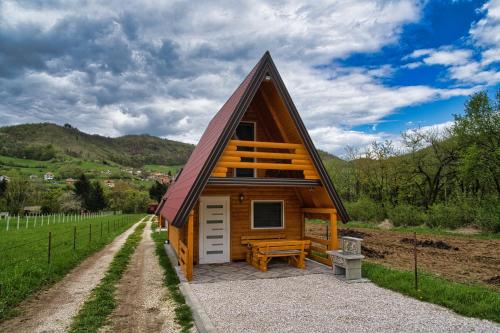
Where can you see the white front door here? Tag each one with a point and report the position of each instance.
(214, 230)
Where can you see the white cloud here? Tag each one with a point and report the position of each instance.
(486, 32)
(334, 139)
(445, 56)
(166, 67)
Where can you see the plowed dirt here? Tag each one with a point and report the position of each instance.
(461, 259)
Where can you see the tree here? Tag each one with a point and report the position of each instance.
(82, 189)
(157, 191)
(96, 201)
(91, 194)
(478, 134)
(430, 161)
(17, 195)
(69, 203)
(3, 186)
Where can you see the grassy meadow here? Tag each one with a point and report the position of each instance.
(24, 264)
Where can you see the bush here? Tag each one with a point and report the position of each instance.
(488, 217)
(447, 216)
(406, 215)
(365, 210)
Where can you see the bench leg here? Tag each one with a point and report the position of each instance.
(255, 260)
(263, 263)
(301, 261)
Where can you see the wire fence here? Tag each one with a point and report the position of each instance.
(18, 222)
(30, 260)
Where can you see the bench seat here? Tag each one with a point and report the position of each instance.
(294, 250)
(247, 239)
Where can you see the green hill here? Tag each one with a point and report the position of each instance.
(47, 141)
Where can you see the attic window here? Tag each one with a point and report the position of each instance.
(246, 132)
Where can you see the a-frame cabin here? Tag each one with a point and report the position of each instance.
(254, 172)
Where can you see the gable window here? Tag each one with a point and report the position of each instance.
(246, 132)
(268, 214)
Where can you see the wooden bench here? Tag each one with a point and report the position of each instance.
(294, 250)
(246, 240)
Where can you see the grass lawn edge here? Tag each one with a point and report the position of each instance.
(183, 313)
(464, 299)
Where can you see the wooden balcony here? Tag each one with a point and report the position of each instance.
(267, 156)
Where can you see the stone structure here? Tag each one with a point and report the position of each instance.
(347, 261)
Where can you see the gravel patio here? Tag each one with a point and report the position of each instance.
(318, 302)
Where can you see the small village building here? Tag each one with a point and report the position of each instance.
(70, 181)
(254, 175)
(48, 176)
(33, 177)
(109, 183)
(32, 210)
(4, 178)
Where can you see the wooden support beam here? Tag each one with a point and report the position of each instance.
(333, 232)
(219, 174)
(274, 115)
(190, 247)
(302, 161)
(261, 154)
(261, 144)
(270, 166)
(227, 157)
(320, 210)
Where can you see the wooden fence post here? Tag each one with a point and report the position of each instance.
(49, 248)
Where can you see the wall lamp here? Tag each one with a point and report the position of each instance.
(242, 197)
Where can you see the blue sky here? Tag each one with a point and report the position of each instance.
(433, 30)
(358, 71)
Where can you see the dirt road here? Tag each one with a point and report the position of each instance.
(143, 301)
(51, 310)
(461, 259)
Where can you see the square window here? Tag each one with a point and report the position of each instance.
(268, 214)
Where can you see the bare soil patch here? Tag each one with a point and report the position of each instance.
(52, 309)
(143, 301)
(457, 258)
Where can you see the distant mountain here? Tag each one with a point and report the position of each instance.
(46, 141)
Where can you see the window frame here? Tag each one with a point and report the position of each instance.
(268, 228)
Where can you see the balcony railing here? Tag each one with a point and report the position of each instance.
(284, 156)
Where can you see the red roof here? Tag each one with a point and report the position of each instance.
(183, 193)
(203, 150)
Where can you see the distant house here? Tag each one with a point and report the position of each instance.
(161, 177)
(164, 179)
(4, 178)
(32, 210)
(4, 215)
(70, 181)
(109, 183)
(33, 177)
(48, 176)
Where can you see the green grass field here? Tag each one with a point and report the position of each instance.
(465, 299)
(24, 263)
(163, 168)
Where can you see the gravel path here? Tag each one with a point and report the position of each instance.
(143, 302)
(51, 310)
(321, 303)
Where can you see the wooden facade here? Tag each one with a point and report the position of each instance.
(288, 171)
